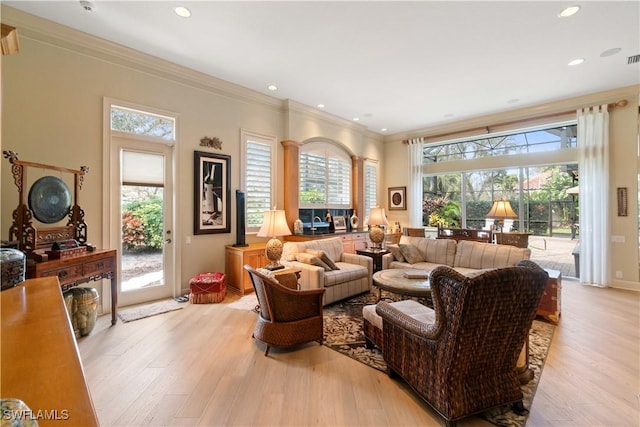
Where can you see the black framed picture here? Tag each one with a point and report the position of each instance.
(212, 201)
(397, 198)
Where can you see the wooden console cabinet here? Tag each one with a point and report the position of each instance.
(73, 271)
(237, 278)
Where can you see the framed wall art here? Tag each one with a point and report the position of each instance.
(622, 201)
(397, 198)
(212, 201)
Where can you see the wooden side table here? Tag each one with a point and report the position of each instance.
(376, 255)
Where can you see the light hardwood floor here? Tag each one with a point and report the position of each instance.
(200, 366)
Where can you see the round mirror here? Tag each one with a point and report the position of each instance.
(49, 199)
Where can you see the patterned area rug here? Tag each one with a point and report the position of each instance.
(343, 333)
(148, 310)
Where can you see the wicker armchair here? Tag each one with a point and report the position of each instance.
(465, 362)
(287, 317)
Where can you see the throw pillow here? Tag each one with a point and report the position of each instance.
(410, 253)
(396, 252)
(312, 260)
(323, 257)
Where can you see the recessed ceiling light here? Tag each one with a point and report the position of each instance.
(568, 11)
(87, 5)
(320, 105)
(577, 61)
(610, 52)
(355, 119)
(272, 87)
(182, 11)
(383, 129)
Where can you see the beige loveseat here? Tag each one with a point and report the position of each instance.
(324, 265)
(464, 256)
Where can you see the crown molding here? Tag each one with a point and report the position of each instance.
(297, 107)
(48, 32)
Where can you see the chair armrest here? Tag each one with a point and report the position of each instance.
(429, 331)
(358, 260)
(387, 259)
(362, 260)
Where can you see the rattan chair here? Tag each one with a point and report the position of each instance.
(287, 317)
(464, 362)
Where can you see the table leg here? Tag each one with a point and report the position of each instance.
(114, 298)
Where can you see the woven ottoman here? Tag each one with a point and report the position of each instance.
(207, 288)
(372, 323)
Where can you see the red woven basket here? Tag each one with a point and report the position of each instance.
(207, 288)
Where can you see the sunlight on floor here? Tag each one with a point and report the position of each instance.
(150, 279)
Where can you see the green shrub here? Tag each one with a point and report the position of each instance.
(142, 224)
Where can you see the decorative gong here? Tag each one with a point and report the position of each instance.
(49, 199)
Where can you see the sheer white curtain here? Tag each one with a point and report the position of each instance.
(593, 164)
(414, 189)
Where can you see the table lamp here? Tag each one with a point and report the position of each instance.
(501, 210)
(274, 224)
(376, 219)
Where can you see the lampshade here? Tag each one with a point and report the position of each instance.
(274, 224)
(377, 217)
(501, 209)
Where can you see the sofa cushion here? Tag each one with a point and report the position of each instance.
(410, 253)
(437, 251)
(324, 258)
(396, 252)
(479, 255)
(346, 273)
(311, 260)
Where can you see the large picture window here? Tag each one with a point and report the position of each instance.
(461, 193)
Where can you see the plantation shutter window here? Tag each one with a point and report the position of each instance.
(370, 188)
(258, 182)
(325, 176)
(258, 176)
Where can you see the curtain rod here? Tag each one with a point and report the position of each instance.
(621, 103)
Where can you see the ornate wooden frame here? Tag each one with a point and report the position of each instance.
(22, 231)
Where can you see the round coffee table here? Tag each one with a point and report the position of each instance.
(395, 280)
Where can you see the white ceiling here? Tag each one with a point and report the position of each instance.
(396, 65)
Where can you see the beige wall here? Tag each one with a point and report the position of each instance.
(623, 131)
(52, 97)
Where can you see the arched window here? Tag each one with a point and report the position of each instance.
(325, 176)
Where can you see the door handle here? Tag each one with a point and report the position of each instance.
(166, 242)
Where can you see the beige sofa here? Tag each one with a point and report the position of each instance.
(350, 275)
(464, 256)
